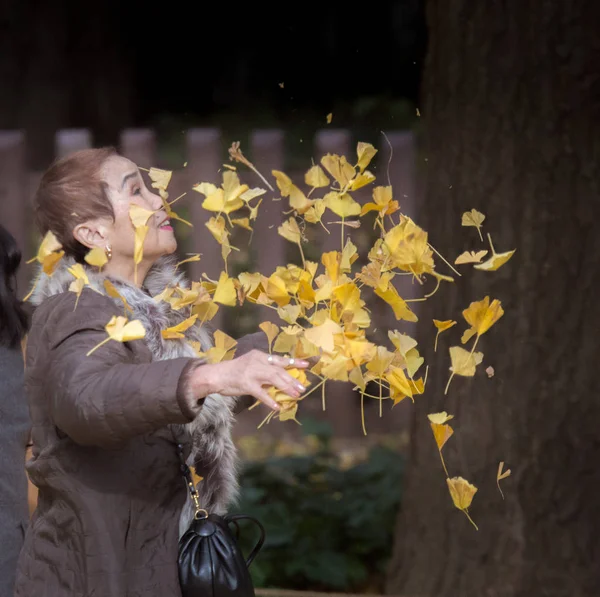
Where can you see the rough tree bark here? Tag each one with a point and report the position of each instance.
(511, 111)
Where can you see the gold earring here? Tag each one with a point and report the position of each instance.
(108, 252)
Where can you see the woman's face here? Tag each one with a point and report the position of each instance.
(126, 188)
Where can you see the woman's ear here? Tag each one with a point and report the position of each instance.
(91, 234)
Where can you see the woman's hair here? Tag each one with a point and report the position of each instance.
(71, 192)
(14, 321)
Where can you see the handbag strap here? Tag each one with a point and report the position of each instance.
(199, 512)
(234, 518)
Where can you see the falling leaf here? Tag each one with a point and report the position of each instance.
(441, 432)
(440, 418)
(271, 330)
(442, 326)
(193, 258)
(81, 280)
(225, 291)
(281, 85)
(96, 257)
(121, 330)
(481, 316)
(223, 349)
(463, 362)
(501, 475)
(290, 231)
(322, 335)
(339, 168)
(176, 331)
(242, 223)
(342, 204)
(114, 293)
(473, 218)
(160, 180)
(329, 117)
(316, 178)
(418, 113)
(470, 257)
(48, 246)
(490, 371)
(496, 261)
(365, 153)
(398, 304)
(462, 493)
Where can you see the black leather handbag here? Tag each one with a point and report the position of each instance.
(210, 561)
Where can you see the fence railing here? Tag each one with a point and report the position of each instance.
(205, 152)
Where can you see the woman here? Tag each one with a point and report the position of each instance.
(14, 417)
(106, 426)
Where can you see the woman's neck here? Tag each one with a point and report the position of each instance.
(124, 269)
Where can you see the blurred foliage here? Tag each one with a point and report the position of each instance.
(329, 514)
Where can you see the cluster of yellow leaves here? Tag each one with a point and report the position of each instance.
(323, 307)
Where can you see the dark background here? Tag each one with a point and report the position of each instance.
(117, 64)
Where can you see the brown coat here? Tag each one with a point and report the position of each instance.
(104, 460)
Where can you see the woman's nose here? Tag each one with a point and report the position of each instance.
(156, 201)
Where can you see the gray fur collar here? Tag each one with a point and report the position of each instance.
(212, 450)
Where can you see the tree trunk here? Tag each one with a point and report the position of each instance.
(511, 112)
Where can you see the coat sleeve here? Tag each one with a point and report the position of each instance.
(107, 398)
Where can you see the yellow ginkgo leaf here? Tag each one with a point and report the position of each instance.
(96, 257)
(380, 363)
(176, 331)
(441, 326)
(225, 293)
(496, 261)
(441, 432)
(139, 215)
(51, 261)
(365, 153)
(316, 178)
(361, 180)
(314, 213)
(357, 378)
(276, 290)
(121, 330)
(399, 305)
(193, 258)
(81, 280)
(290, 231)
(470, 257)
(205, 311)
(473, 218)
(337, 368)
(440, 418)
(329, 117)
(160, 178)
(48, 246)
(481, 316)
(463, 362)
(462, 493)
(322, 335)
(271, 330)
(289, 313)
(399, 383)
(285, 342)
(339, 168)
(223, 350)
(501, 475)
(251, 194)
(242, 223)
(342, 204)
(114, 293)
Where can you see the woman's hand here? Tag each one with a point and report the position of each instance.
(249, 374)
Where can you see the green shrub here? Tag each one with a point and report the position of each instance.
(327, 528)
